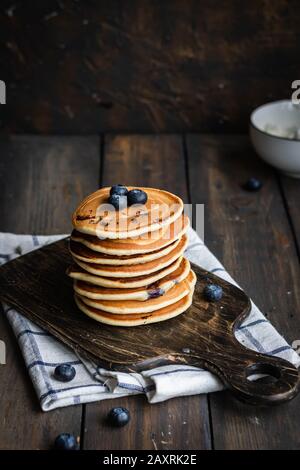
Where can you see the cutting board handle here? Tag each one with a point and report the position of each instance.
(256, 378)
(240, 368)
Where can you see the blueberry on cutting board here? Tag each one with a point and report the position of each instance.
(64, 373)
(213, 292)
(118, 417)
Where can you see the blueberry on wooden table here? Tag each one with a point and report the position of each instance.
(252, 184)
(213, 292)
(64, 372)
(118, 189)
(137, 196)
(118, 417)
(65, 441)
(118, 201)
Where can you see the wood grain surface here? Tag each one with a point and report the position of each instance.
(251, 234)
(39, 191)
(167, 66)
(215, 167)
(290, 193)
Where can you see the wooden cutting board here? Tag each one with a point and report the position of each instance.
(37, 286)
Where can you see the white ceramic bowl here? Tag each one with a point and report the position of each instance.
(281, 118)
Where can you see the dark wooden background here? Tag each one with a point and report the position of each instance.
(137, 65)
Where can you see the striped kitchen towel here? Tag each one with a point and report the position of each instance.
(42, 352)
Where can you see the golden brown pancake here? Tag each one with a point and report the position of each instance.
(95, 216)
(124, 307)
(140, 269)
(76, 272)
(160, 287)
(139, 318)
(85, 254)
(146, 243)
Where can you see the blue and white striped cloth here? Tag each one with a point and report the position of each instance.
(42, 352)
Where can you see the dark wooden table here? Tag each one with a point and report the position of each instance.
(256, 236)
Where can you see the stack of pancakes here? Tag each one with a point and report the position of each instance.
(129, 266)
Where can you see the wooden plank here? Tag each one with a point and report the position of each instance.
(291, 193)
(181, 423)
(251, 235)
(147, 66)
(42, 180)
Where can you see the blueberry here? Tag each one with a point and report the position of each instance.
(253, 184)
(137, 196)
(118, 189)
(118, 417)
(213, 292)
(154, 293)
(119, 202)
(64, 373)
(65, 441)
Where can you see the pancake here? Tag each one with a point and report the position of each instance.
(124, 307)
(139, 293)
(137, 319)
(94, 216)
(83, 253)
(135, 269)
(76, 272)
(146, 243)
